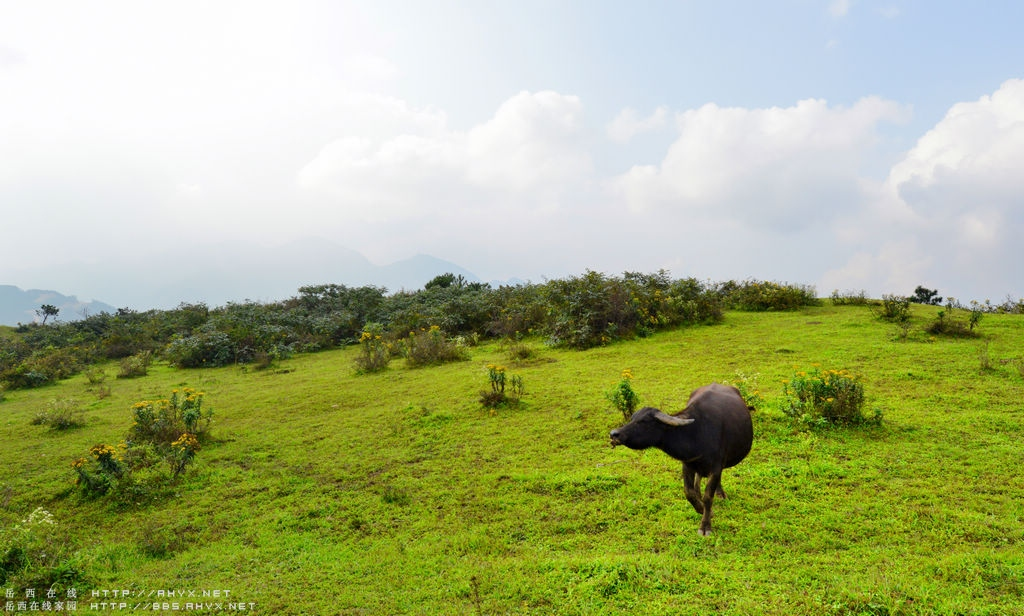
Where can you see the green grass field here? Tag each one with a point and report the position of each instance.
(329, 492)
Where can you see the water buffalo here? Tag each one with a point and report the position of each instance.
(712, 433)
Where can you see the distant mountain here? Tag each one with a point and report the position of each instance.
(228, 273)
(18, 306)
(412, 273)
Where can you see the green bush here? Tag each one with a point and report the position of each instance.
(623, 397)
(850, 298)
(595, 309)
(374, 351)
(45, 366)
(516, 311)
(135, 366)
(759, 296)
(895, 308)
(204, 349)
(168, 430)
(948, 321)
(826, 397)
(62, 414)
(36, 552)
(749, 390)
(96, 376)
(161, 422)
(432, 346)
(516, 349)
(923, 295)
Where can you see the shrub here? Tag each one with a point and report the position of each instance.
(135, 366)
(747, 386)
(760, 296)
(104, 472)
(95, 376)
(947, 322)
(182, 453)
(826, 397)
(926, 296)
(374, 351)
(623, 397)
(167, 430)
(432, 346)
(61, 414)
(45, 366)
(515, 310)
(895, 308)
(985, 363)
(850, 298)
(1011, 306)
(36, 553)
(162, 422)
(204, 349)
(517, 350)
(587, 311)
(594, 309)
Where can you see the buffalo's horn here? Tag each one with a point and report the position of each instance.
(672, 420)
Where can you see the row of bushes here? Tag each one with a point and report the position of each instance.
(576, 312)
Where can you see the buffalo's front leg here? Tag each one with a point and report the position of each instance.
(691, 481)
(714, 484)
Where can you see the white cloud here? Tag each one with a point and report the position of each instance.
(529, 151)
(780, 167)
(839, 8)
(627, 125)
(363, 66)
(10, 57)
(953, 205)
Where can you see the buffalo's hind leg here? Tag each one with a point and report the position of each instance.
(691, 481)
(713, 486)
(720, 492)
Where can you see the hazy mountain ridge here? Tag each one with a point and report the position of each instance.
(215, 277)
(19, 306)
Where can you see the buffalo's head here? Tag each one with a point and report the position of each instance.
(646, 428)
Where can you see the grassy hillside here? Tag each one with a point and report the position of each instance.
(326, 491)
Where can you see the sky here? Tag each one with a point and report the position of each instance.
(850, 145)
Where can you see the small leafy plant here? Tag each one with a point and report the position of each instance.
(623, 397)
(35, 552)
(497, 396)
(516, 349)
(747, 386)
(826, 397)
(182, 453)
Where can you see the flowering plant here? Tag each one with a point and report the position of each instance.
(623, 396)
(825, 396)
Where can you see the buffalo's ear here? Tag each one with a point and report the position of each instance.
(672, 420)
